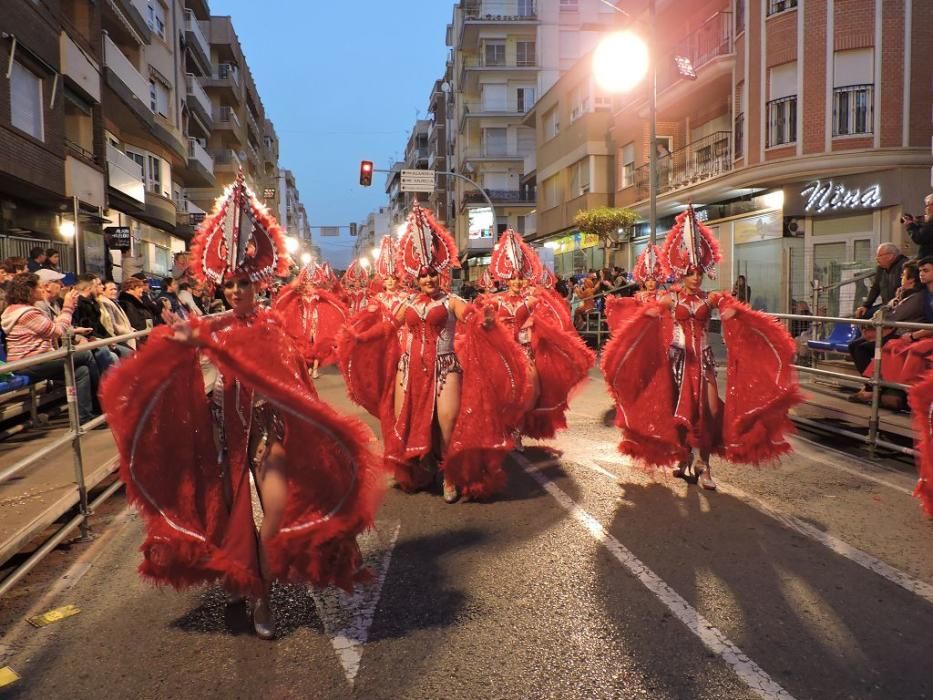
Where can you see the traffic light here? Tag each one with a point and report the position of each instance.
(352, 229)
(366, 173)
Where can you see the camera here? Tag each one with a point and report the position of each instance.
(906, 218)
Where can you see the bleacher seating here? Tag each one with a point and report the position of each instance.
(838, 341)
(11, 386)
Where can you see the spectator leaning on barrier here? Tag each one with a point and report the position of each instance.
(113, 318)
(887, 277)
(30, 332)
(920, 229)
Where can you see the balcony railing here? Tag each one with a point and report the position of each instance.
(227, 71)
(193, 27)
(782, 121)
(707, 42)
(493, 152)
(697, 162)
(227, 116)
(738, 138)
(197, 93)
(853, 110)
(478, 108)
(126, 71)
(124, 174)
(776, 6)
(499, 197)
(199, 154)
(227, 157)
(500, 10)
(472, 62)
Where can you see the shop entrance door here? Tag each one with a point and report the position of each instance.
(835, 261)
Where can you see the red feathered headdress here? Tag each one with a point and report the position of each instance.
(386, 265)
(547, 278)
(512, 257)
(486, 281)
(239, 237)
(330, 276)
(315, 274)
(691, 246)
(355, 274)
(425, 245)
(651, 264)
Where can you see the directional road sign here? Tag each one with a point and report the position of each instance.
(417, 181)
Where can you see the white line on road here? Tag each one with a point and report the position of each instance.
(712, 638)
(919, 588)
(813, 454)
(68, 580)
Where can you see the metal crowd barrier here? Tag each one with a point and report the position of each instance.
(85, 509)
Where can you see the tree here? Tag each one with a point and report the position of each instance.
(605, 222)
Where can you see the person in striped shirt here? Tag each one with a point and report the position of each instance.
(28, 331)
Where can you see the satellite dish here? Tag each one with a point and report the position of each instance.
(445, 86)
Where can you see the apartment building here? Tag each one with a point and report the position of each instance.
(803, 138)
(440, 145)
(504, 55)
(572, 166)
(292, 215)
(369, 237)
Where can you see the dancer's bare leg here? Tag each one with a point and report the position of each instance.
(448, 408)
(273, 490)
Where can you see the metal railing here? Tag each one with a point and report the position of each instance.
(704, 159)
(853, 110)
(782, 121)
(73, 438)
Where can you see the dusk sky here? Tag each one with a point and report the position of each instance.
(343, 82)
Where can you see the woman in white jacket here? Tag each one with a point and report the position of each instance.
(112, 316)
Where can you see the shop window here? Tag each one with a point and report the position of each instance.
(26, 101)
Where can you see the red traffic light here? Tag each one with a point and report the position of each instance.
(366, 173)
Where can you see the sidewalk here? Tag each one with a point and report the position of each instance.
(36, 497)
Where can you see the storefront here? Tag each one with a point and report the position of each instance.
(151, 249)
(576, 253)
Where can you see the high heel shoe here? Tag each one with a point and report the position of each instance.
(451, 493)
(263, 623)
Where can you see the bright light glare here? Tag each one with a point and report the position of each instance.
(67, 228)
(400, 230)
(620, 62)
(553, 245)
(774, 200)
(306, 258)
(291, 245)
(364, 261)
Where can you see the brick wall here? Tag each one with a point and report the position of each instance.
(812, 126)
(890, 83)
(921, 76)
(854, 24)
(37, 162)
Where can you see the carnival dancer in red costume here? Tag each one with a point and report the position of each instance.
(558, 359)
(187, 455)
(660, 370)
(355, 282)
(393, 294)
(651, 271)
(313, 316)
(448, 396)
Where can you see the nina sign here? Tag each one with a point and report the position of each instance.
(820, 197)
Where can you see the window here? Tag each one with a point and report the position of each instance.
(739, 16)
(526, 8)
(154, 175)
(158, 98)
(569, 44)
(494, 97)
(79, 124)
(526, 141)
(551, 188)
(524, 98)
(782, 107)
(601, 101)
(627, 158)
(551, 123)
(155, 17)
(495, 141)
(739, 136)
(26, 101)
(525, 53)
(568, 5)
(775, 6)
(580, 177)
(494, 53)
(853, 92)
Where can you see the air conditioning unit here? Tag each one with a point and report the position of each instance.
(793, 227)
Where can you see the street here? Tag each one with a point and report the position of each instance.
(588, 578)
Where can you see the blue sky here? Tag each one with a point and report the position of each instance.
(343, 82)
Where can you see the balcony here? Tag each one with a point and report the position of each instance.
(558, 219)
(188, 217)
(226, 80)
(697, 162)
(200, 47)
(473, 65)
(483, 13)
(227, 161)
(84, 181)
(126, 80)
(493, 153)
(200, 165)
(516, 198)
(78, 66)
(227, 121)
(708, 42)
(198, 101)
(125, 177)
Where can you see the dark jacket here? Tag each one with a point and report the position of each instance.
(886, 283)
(87, 315)
(175, 303)
(909, 309)
(922, 235)
(137, 311)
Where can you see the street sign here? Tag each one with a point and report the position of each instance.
(417, 180)
(118, 237)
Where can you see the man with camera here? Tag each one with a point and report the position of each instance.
(920, 229)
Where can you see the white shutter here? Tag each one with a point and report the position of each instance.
(26, 100)
(526, 141)
(855, 67)
(628, 153)
(494, 97)
(495, 141)
(783, 81)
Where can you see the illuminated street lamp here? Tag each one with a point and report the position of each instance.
(306, 258)
(291, 245)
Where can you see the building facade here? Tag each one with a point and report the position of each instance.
(804, 137)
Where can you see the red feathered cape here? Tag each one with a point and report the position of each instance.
(160, 417)
(312, 321)
(761, 386)
(921, 404)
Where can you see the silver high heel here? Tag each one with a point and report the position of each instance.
(263, 622)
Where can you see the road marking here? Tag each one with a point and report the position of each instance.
(68, 580)
(712, 638)
(919, 588)
(347, 618)
(812, 454)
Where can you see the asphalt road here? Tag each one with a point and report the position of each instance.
(588, 578)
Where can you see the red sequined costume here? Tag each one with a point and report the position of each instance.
(435, 345)
(355, 283)
(312, 315)
(186, 456)
(662, 406)
(651, 266)
(561, 359)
